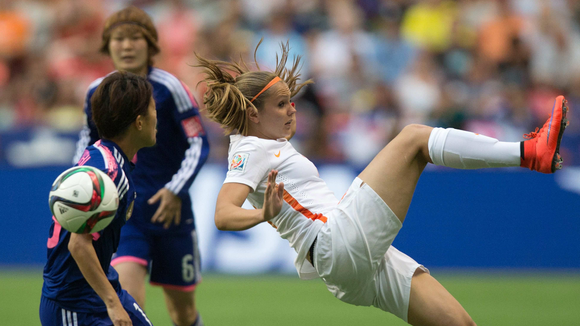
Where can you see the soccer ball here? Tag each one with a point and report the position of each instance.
(83, 199)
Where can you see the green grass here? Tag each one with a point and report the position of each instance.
(491, 299)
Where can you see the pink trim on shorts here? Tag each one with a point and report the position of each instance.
(125, 259)
(96, 236)
(187, 288)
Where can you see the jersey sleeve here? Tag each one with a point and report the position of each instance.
(248, 164)
(89, 134)
(186, 114)
(102, 159)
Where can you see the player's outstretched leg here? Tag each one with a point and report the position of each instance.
(394, 172)
(541, 152)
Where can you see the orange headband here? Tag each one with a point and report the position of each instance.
(272, 82)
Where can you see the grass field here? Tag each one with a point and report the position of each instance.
(491, 298)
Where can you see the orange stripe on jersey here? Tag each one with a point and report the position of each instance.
(304, 211)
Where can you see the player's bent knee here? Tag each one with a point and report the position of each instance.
(414, 139)
(414, 129)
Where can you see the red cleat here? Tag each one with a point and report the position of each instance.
(541, 151)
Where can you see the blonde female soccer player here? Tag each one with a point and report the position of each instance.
(347, 243)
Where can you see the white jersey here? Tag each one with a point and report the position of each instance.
(307, 198)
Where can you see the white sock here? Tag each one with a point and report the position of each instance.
(466, 150)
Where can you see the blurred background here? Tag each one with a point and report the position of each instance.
(489, 66)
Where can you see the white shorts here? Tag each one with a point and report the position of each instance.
(354, 257)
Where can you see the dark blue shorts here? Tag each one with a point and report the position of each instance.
(171, 258)
(51, 314)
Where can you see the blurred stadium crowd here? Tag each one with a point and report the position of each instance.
(489, 66)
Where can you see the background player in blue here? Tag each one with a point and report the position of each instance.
(160, 238)
(80, 286)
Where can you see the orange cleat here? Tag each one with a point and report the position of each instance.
(541, 151)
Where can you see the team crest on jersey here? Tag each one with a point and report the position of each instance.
(192, 127)
(238, 162)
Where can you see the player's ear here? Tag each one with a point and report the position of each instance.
(138, 122)
(253, 115)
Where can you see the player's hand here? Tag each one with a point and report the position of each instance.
(118, 315)
(273, 197)
(169, 209)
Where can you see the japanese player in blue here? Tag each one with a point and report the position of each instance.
(80, 286)
(160, 239)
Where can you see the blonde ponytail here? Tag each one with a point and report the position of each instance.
(227, 98)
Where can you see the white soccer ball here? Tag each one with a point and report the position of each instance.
(83, 199)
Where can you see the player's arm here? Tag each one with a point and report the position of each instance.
(229, 214)
(83, 252)
(169, 210)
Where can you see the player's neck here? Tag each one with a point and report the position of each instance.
(127, 146)
(256, 132)
(143, 71)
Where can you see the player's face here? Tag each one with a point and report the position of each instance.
(150, 125)
(277, 119)
(129, 50)
(293, 125)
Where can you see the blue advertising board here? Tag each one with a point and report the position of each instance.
(458, 219)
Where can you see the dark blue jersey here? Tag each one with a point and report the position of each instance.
(181, 149)
(63, 281)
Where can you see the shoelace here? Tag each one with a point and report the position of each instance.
(532, 134)
(537, 132)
